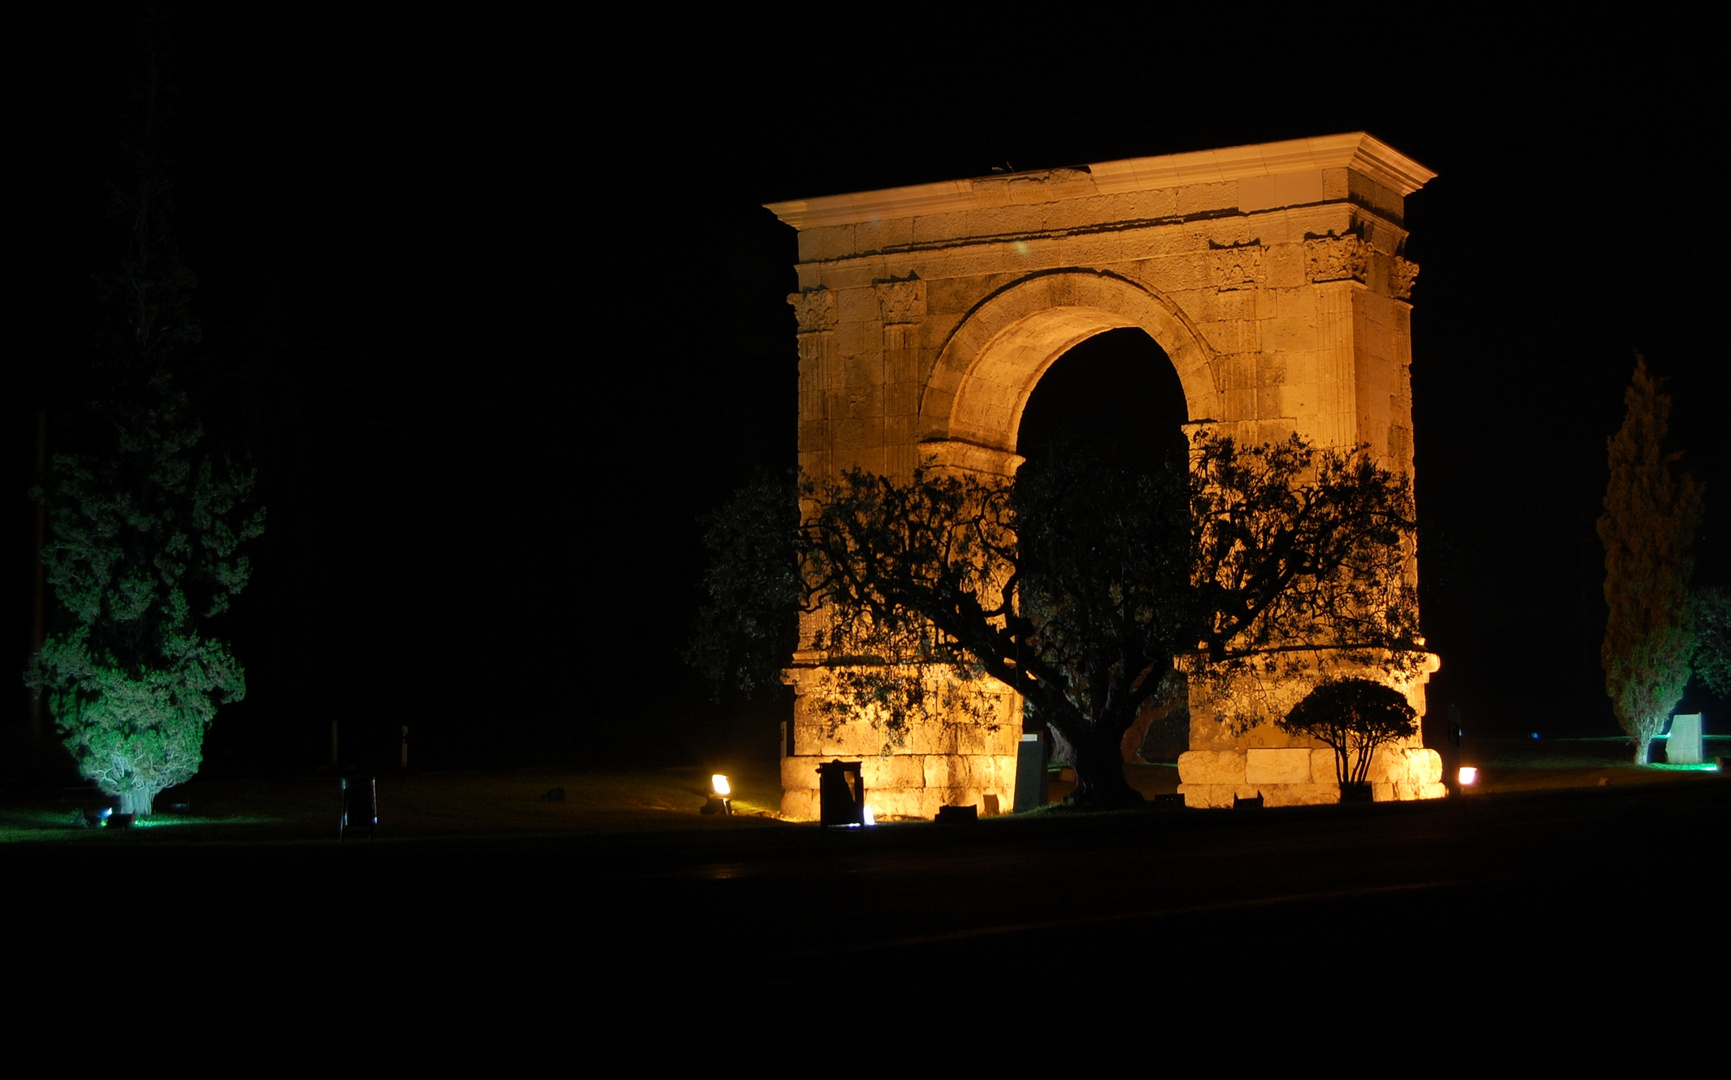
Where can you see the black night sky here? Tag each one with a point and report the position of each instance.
(492, 303)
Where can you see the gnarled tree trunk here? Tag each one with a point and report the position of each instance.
(1097, 753)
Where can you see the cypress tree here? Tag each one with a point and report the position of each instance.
(1652, 508)
(144, 522)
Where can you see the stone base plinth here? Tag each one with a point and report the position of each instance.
(1301, 776)
(907, 785)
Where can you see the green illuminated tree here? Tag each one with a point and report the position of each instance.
(1353, 716)
(1651, 510)
(1713, 639)
(145, 525)
(143, 552)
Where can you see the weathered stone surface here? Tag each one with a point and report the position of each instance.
(1286, 765)
(1424, 767)
(854, 740)
(799, 804)
(1388, 765)
(961, 739)
(896, 803)
(1267, 274)
(1300, 794)
(986, 771)
(896, 771)
(1211, 767)
(939, 770)
(799, 772)
(818, 244)
(1260, 192)
(1208, 796)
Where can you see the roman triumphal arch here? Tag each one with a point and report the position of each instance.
(1270, 275)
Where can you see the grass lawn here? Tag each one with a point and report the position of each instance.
(634, 799)
(1507, 765)
(420, 805)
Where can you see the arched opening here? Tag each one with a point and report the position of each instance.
(1117, 398)
(987, 370)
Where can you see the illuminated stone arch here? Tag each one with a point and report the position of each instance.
(989, 367)
(1270, 275)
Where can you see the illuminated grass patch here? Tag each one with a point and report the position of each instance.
(170, 821)
(24, 824)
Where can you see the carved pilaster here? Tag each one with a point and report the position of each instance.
(1338, 367)
(1238, 267)
(815, 312)
(1336, 258)
(1401, 277)
(902, 306)
(901, 301)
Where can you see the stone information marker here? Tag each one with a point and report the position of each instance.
(1683, 747)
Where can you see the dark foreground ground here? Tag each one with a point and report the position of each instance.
(1394, 920)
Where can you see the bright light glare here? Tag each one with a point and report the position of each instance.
(1469, 776)
(719, 783)
(870, 818)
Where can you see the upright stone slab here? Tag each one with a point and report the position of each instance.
(1270, 275)
(1684, 745)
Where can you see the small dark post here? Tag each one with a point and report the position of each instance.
(1030, 773)
(1452, 755)
(360, 806)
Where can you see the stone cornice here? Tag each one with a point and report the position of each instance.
(1357, 151)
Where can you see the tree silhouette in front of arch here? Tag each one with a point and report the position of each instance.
(1080, 585)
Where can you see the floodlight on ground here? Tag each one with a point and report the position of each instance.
(870, 818)
(719, 802)
(1469, 776)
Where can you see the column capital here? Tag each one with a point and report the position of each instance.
(815, 310)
